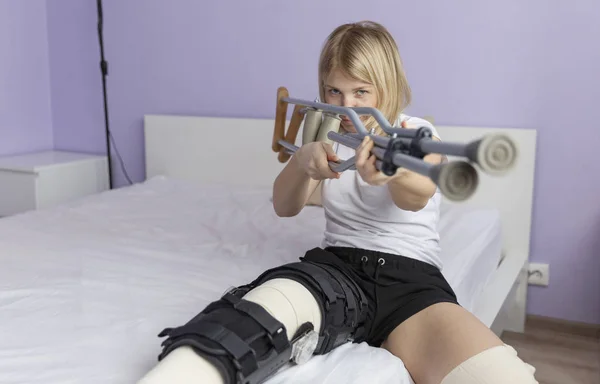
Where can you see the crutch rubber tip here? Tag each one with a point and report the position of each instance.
(311, 125)
(495, 154)
(331, 123)
(457, 180)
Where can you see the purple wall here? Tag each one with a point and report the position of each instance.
(77, 102)
(25, 111)
(510, 64)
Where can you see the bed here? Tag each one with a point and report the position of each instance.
(85, 287)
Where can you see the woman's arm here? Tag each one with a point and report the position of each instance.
(291, 189)
(301, 176)
(410, 190)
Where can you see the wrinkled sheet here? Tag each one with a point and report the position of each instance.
(86, 287)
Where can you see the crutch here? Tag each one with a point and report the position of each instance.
(495, 154)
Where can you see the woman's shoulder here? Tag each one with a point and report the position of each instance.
(416, 122)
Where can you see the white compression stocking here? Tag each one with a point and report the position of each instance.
(286, 300)
(497, 365)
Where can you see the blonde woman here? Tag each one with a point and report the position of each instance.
(383, 229)
(376, 278)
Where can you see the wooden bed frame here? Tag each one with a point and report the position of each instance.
(237, 151)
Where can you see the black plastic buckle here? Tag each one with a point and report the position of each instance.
(420, 134)
(400, 145)
(394, 145)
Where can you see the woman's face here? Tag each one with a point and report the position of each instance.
(344, 91)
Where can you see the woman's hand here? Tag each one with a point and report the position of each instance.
(409, 190)
(365, 164)
(313, 158)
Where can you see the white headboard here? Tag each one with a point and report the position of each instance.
(211, 150)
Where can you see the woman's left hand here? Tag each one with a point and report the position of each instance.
(410, 190)
(365, 163)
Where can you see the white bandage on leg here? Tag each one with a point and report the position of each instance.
(497, 365)
(286, 300)
(289, 302)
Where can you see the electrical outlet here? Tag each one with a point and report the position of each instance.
(539, 274)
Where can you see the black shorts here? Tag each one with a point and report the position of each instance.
(397, 287)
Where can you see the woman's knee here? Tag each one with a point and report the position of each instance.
(496, 365)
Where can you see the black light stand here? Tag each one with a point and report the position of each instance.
(104, 69)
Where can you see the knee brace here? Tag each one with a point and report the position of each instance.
(343, 304)
(497, 365)
(244, 334)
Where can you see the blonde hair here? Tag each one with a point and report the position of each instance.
(367, 52)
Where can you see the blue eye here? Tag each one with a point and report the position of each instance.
(361, 92)
(334, 91)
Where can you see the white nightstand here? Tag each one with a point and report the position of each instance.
(46, 179)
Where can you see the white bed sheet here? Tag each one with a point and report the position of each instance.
(86, 287)
(471, 242)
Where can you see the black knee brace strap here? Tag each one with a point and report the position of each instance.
(244, 342)
(342, 302)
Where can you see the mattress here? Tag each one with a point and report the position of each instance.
(86, 287)
(471, 243)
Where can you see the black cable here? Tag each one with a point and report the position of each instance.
(121, 162)
(104, 70)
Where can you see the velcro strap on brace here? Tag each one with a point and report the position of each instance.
(238, 336)
(275, 329)
(243, 356)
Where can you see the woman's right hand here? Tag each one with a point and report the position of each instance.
(313, 158)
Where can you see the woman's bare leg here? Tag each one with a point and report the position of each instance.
(437, 340)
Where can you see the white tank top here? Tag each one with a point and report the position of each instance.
(360, 215)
